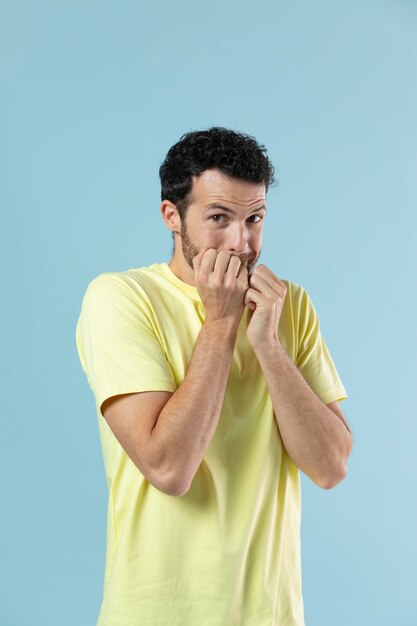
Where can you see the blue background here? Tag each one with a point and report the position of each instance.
(93, 95)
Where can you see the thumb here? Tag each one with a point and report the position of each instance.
(249, 316)
(249, 303)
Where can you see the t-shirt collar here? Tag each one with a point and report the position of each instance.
(184, 287)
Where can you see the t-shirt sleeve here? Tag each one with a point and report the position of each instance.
(313, 357)
(116, 342)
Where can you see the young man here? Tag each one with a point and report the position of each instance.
(213, 387)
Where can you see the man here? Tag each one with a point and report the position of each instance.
(213, 387)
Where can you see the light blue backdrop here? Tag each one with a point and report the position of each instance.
(93, 95)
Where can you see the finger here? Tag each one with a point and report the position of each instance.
(268, 275)
(243, 274)
(248, 301)
(222, 262)
(235, 265)
(198, 257)
(253, 296)
(261, 284)
(266, 285)
(208, 261)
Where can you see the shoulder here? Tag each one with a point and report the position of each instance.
(296, 295)
(117, 293)
(299, 306)
(128, 282)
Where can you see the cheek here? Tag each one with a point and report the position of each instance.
(212, 238)
(216, 239)
(254, 241)
(257, 241)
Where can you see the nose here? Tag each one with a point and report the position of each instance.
(237, 239)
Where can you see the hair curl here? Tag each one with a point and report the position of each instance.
(235, 154)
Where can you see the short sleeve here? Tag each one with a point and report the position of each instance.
(117, 346)
(313, 357)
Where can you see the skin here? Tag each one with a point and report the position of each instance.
(317, 437)
(238, 234)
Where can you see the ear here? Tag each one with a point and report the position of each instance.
(171, 216)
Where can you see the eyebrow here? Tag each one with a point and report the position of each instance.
(225, 208)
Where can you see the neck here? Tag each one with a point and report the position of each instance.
(182, 270)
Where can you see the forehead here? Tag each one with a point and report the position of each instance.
(214, 185)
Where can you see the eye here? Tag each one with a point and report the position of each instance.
(216, 221)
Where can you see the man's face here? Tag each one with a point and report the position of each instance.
(235, 228)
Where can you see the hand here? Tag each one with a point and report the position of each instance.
(265, 297)
(221, 281)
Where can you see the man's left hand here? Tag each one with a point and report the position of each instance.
(265, 297)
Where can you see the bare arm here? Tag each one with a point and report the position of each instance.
(187, 422)
(317, 440)
(167, 434)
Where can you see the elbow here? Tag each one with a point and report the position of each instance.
(181, 488)
(175, 487)
(169, 489)
(329, 482)
(176, 490)
(179, 482)
(165, 484)
(167, 480)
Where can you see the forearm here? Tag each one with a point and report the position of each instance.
(317, 441)
(187, 423)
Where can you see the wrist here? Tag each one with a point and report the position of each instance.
(223, 328)
(267, 349)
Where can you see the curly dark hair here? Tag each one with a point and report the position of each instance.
(235, 154)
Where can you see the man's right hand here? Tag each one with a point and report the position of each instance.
(221, 281)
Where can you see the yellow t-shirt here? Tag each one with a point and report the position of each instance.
(227, 553)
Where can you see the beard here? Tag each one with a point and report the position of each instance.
(189, 251)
